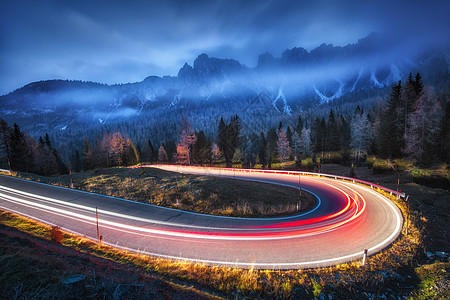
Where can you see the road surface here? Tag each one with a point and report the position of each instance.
(347, 219)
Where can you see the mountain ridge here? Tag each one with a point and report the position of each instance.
(276, 86)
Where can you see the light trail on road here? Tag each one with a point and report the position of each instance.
(348, 219)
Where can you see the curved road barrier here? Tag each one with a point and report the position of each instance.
(348, 219)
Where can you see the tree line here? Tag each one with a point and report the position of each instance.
(412, 123)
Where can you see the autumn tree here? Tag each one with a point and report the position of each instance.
(215, 153)
(116, 149)
(162, 154)
(184, 146)
(130, 155)
(284, 150)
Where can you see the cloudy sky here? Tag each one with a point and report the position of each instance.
(112, 41)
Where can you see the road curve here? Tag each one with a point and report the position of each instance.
(348, 219)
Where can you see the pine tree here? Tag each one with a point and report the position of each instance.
(444, 133)
(87, 156)
(21, 156)
(319, 135)
(289, 135)
(390, 135)
(333, 143)
(418, 85)
(4, 142)
(171, 149)
(299, 126)
(201, 149)
(228, 138)
(153, 154)
(44, 161)
(344, 133)
(262, 153)
(272, 147)
(77, 161)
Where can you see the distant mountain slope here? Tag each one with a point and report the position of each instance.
(275, 89)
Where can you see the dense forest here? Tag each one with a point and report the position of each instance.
(411, 122)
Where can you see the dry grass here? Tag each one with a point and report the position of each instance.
(210, 195)
(33, 265)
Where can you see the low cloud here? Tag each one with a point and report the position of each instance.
(127, 41)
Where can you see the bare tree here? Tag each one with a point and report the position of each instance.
(421, 141)
(360, 135)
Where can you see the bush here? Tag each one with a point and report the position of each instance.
(382, 166)
(331, 158)
(430, 179)
(352, 171)
(56, 235)
(307, 164)
(370, 161)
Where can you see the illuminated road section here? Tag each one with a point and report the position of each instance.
(348, 218)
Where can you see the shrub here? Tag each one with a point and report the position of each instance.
(370, 161)
(56, 235)
(430, 178)
(382, 166)
(307, 164)
(331, 158)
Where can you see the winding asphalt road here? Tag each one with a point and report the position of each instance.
(348, 218)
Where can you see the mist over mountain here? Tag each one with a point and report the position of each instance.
(275, 90)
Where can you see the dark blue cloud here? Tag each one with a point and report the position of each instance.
(125, 41)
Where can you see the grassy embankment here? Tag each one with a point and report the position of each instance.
(210, 195)
(393, 271)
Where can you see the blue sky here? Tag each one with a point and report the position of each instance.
(126, 41)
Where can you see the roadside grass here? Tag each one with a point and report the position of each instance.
(34, 265)
(439, 176)
(380, 165)
(209, 195)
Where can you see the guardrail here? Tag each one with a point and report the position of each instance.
(354, 180)
(5, 171)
